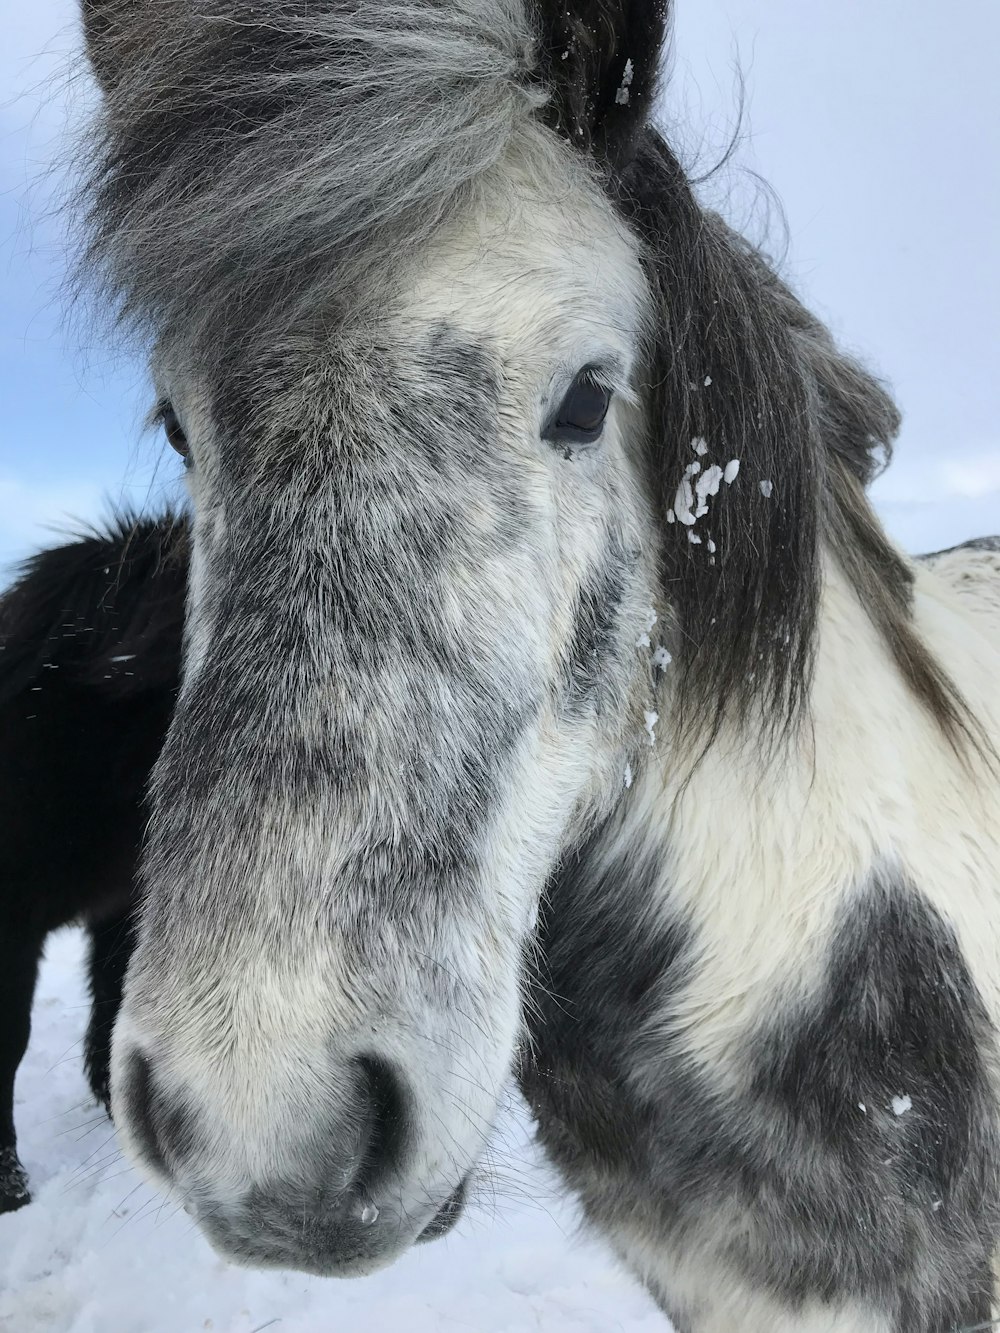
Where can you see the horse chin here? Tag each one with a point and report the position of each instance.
(334, 1244)
(358, 1265)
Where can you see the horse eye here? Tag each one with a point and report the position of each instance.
(173, 431)
(579, 418)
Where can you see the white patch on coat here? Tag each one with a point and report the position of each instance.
(709, 1296)
(760, 857)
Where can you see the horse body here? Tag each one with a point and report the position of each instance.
(747, 1009)
(532, 571)
(89, 657)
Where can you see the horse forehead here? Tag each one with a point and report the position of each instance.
(521, 266)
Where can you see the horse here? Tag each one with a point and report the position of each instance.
(90, 638)
(551, 697)
(154, 609)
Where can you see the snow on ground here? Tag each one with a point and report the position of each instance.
(98, 1252)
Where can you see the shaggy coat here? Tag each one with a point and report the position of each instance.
(579, 1094)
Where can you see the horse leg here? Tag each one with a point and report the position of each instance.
(19, 955)
(111, 944)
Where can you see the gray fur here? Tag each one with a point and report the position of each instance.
(812, 1183)
(245, 158)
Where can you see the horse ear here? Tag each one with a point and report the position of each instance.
(600, 59)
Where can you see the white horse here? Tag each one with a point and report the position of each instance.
(551, 695)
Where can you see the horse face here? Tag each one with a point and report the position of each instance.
(417, 664)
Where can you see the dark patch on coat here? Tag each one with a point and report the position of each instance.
(596, 633)
(329, 593)
(140, 1094)
(341, 552)
(599, 976)
(907, 1188)
(900, 1212)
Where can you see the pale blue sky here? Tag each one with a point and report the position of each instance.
(877, 123)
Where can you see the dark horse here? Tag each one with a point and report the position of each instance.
(90, 639)
(551, 695)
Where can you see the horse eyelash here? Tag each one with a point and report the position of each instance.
(156, 415)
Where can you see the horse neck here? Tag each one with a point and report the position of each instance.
(753, 847)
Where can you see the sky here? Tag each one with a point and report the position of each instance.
(876, 123)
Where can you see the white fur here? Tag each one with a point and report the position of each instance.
(707, 1296)
(759, 856)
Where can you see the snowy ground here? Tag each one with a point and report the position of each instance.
(98, 1252)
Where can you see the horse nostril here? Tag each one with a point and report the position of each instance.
(384, 1135)
(137, 1100)
(158, 1127)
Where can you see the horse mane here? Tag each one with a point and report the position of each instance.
(116, 592)
(247, 160)
(739, 363)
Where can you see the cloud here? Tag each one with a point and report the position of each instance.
(975, 476)
(940, 500)
(965, 469)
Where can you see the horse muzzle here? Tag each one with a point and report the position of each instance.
(346, 1203)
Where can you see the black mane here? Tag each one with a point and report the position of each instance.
(738, 362)
(93, 609)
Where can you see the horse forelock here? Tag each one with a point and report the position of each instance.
(247, 161)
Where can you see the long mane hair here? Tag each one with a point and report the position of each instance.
(742, 366)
